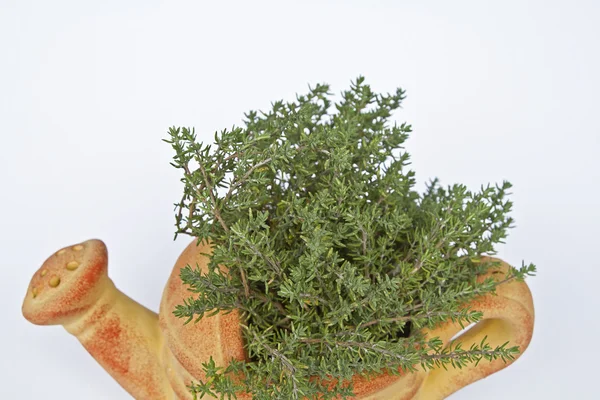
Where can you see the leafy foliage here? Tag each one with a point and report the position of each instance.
(334, 261)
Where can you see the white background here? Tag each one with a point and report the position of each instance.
(508, 90)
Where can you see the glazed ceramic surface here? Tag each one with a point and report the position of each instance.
(155, 356)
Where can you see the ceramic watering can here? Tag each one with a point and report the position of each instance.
(154, 357)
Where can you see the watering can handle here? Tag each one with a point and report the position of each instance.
(508, 316)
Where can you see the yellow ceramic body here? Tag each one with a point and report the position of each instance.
(154, 357)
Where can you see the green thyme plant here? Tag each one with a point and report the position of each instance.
(335, 262)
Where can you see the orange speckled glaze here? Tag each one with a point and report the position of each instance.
(155, 357)
(219, 336)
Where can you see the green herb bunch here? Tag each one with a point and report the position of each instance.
(334, 261)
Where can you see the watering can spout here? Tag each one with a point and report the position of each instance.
(72, 288)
